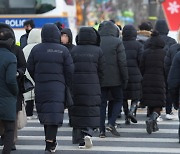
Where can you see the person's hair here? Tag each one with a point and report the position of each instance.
(59, 25)
(145, 26)
(112, 20)
(6, 33)
(119, 26)
(29, 22)
(155, 33)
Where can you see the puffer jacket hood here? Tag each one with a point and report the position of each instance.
(107, 28)
(88, 36)
(129, 33)
(10, 42)
(156, 41)
(50, 34)
(34, 36)
(69, 34)
(162, 27)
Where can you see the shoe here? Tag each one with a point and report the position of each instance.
(155, 127)
(127, 121)
(159, 119)
(13, 148)
(88, 142)
(132, 113)
(82, 145)
(1, 142)
(149, 126)
(102, 135)
(170, 116)
(51, 147)
(31, 117)
(112, 129)
(133, 118)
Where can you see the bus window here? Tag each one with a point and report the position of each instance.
(69, 2)
(26, 6)
(2, 7)
(43, 6)
(21, 3)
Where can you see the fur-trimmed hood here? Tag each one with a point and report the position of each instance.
(144, 33)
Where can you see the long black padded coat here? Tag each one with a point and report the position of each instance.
(134, 50)
(174, 80)
(51, 66)
(152, 68)
(88, 74)
(170, 56)
(115, 70)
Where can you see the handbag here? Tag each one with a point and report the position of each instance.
(22, 118)
(28, 85)
(68, 98)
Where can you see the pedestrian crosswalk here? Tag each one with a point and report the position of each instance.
(134, 139)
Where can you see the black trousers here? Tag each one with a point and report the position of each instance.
(29, 107)
(50, 132)
(78, 134)
(8, 140)
(155, 109)
(126, 106)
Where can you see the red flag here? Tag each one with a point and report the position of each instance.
(172, 12)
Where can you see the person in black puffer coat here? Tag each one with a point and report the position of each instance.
(116, 74)
(162, 27)
(153, 83)
(133, 50)
(51, 67)
(88, 76)
(170, 54)
(67, 38)
(21, 68)
(144, 32)
(174, 49)
(8, 86)
(174, 84)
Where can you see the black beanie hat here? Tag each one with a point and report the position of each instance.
(7, 37)
(6, 32)
(29, 22)
(145, 26)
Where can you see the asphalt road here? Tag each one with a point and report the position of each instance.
(134, 139)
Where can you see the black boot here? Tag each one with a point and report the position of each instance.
(155, 126)
(151, 123)
(126, 112)
(127, 121)
(132, 111)
(1, 140)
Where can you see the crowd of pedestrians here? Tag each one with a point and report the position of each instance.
(109, 67)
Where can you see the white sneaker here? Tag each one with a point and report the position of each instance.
(159, 119)
(88, 142)
(170, 116)
(31, 117)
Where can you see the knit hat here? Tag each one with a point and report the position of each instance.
(29, 22)
(145, 26)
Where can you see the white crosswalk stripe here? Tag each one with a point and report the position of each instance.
(134, 139)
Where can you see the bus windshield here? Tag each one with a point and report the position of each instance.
(26, 6)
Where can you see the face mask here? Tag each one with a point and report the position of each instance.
(27, 31)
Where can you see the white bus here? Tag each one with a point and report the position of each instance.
(15, 12)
